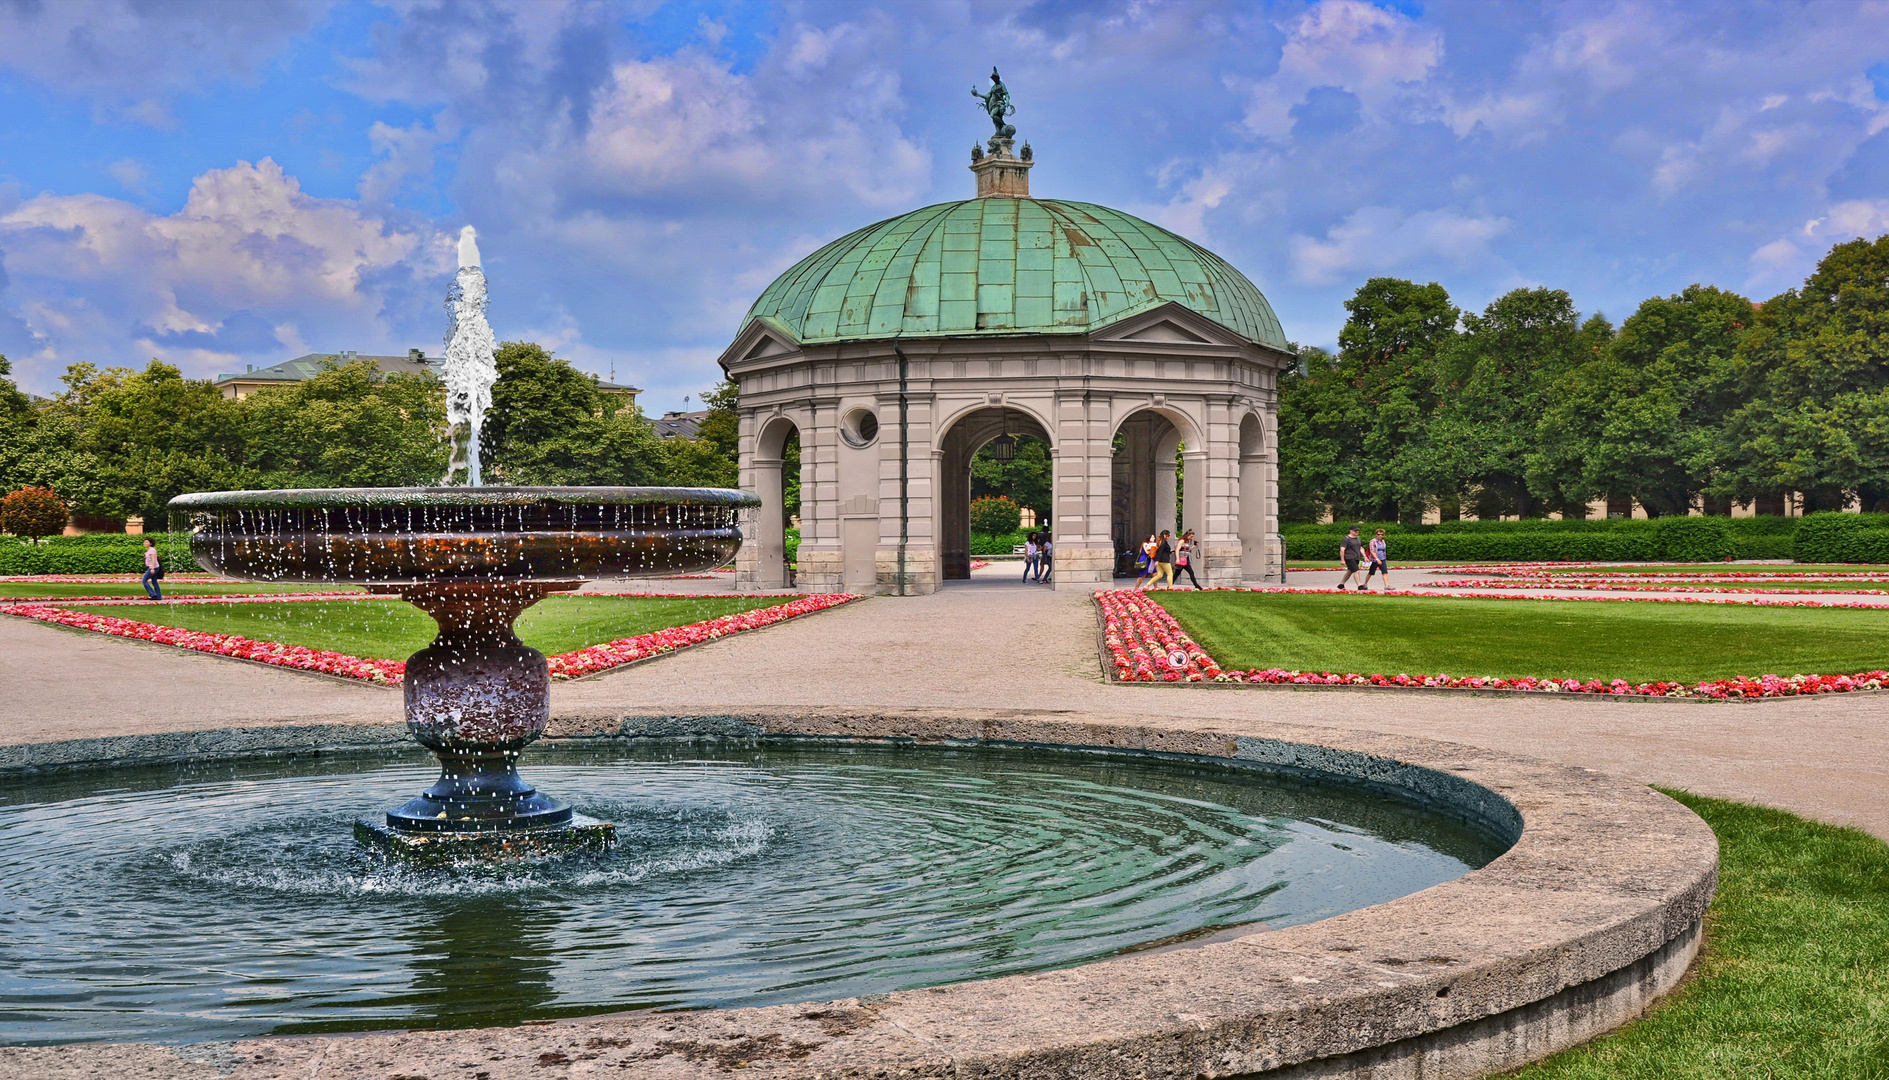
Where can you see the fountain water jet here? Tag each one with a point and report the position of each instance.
(469, 370)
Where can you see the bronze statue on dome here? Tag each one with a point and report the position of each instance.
(997, 104)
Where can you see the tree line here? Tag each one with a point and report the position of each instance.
(119, 442)
(1696, 401)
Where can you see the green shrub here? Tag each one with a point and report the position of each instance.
(995, 515)
(95, 553)
(1541, 539)
(1842, 538)
(1692, 539)
(996, 544)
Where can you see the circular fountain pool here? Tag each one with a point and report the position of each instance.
(226, 900)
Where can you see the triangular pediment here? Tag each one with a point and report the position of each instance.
(760, 340)
(1165, 330)
(1168, 323)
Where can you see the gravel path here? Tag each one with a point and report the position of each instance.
(992, 643)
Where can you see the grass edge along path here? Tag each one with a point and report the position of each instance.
(1143, 642)
(1794, 974)
(576, 664)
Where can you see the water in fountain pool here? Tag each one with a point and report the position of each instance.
(223, 900)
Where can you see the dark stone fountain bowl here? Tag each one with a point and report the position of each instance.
(395, 536)
(473, 558)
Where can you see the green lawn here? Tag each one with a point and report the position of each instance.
(1639, 642)
(1794, 979)
(33, 590)
(394, 629)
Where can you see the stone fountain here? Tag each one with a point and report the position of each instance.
(473, 558)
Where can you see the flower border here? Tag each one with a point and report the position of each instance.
(591, 660)
(1140, 640)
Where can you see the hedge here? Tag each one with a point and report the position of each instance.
(1674, 539)
(94, 553)
(1842, 538)
(997, 543)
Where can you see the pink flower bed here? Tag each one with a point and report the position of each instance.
(1741, 598)
(1145, 644)
(1603, 585)
(571, 665)
(386, 672)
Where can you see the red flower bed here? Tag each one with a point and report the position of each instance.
(387, 672)
(588, 661)
(1744, 598)
(1145, 644)
(1603, 585)
(572, 665)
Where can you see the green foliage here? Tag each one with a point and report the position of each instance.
(550, 425)
(95, 553)
(144, 437)
(1493, 388)
(998, 543)
(1642, 417)
(1024, 479)
(1814, 376)
(32, 512)
(711, 458)
(995, 514)
(1842, 538)
(1692, 539)
(348, 426)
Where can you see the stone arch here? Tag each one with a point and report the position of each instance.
(1257, 512)
(959, 441)
(768, 481)
(1162, 449)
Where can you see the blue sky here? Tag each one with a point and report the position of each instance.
(223, 183)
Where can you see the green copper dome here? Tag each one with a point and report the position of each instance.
(1006, 266)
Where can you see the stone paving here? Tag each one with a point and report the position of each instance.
(992, 643)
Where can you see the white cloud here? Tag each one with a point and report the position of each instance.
(1786, 261)
(1378, 238)
(1374, 53)
(89, 274)
(130, 58)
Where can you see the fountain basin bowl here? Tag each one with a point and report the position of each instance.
(391, 536)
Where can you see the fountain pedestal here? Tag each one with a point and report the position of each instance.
(476, 697)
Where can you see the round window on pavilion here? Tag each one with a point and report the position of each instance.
(859, 428)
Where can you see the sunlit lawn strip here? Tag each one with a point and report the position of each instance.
(582, 635)
(1628, 647)
(1795, 969)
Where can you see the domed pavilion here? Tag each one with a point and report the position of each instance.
(1146, 363)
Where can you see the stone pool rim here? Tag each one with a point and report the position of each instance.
(1594, 912)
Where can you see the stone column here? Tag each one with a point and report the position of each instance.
(1164, 485)
(769, 525)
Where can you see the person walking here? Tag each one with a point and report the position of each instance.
(1379, 554)
(1351, 553)
(1046, 561)
(153, 571)
(1144, 565)
(1184, 557)
(1164, 560)
(1031, 554)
